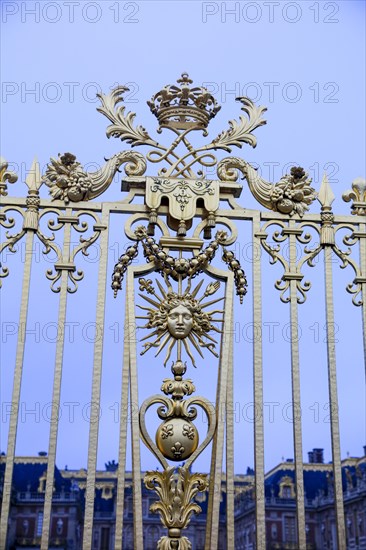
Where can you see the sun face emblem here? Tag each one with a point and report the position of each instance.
(179, 318)
(180, 322)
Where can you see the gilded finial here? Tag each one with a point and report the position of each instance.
(326, 196)
(358, 196)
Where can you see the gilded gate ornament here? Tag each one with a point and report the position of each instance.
(180, 109)
(187, 309)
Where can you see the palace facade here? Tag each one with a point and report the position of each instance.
(28, 492)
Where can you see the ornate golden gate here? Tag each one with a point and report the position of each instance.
(186, 311)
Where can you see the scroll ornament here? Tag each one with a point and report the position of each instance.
(176, 492)
(291, 195)
(68, 181)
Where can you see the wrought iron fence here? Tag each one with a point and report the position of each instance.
(182, 206)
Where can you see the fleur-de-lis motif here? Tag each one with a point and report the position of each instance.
(177, 449)
(146, 284)
(166, 431)
(188, 431)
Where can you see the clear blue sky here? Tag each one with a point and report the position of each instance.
(305, 61)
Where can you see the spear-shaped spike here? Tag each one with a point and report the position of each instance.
(33, 179)
(326, 195)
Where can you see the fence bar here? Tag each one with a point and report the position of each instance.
(122, 436)
(96, 383)
(13, 425)
(56, 393)
(363, 285)
(260, 533)
(215, 481)
(333, 400)
(296, 397)
(211, 494)
(135, 427)
(230, 530)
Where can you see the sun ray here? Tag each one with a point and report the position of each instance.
(196, 290)
(156, 304)
(161, 288)
(163, 344)
(206, 304)
(210, 338)
(168, 283)
(191, 338)
(211, 347)
(153, 334)
(216, 329)
(186, 345)
(211, 288)
(149, 345)
(176, 316)
(145, 308)
(169, 351)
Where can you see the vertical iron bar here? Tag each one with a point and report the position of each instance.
(56, 393)
(135, 427)
(215, 482)
(260, 533)
(333, 400)
(296, 396)
(211, 494)
(96, 385)
(363, 285)
(13, 425)
(230, 530)
(122, 436)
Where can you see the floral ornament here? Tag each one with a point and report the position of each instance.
(66, 179)
(293, 194)
(176, 491)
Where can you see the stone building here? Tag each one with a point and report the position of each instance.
(68, 504)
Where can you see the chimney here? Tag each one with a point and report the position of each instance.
(316, 456)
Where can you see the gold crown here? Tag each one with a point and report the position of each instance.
(183, 107)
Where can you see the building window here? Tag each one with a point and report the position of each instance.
(39, 524)
(274, 531)
(59, 526)
(290, 529)
(104, 543)
(25, 527)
